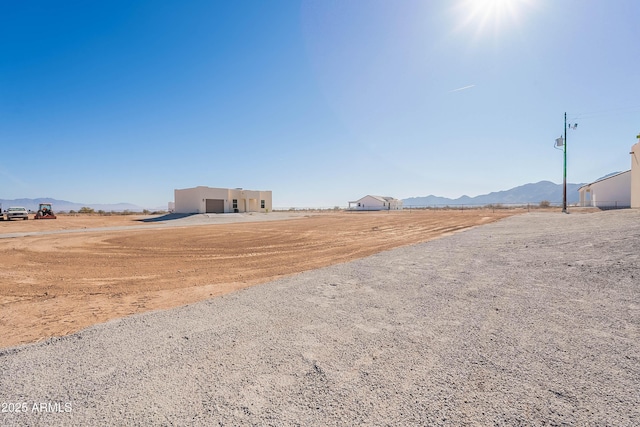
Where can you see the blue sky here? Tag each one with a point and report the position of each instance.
(320, 101)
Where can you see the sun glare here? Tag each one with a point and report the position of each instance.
(489, 15)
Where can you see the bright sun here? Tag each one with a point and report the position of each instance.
(492, 15)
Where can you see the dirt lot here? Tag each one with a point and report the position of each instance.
(56, 284)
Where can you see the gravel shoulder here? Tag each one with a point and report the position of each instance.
(532, 320)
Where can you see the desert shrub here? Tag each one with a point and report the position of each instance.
(86, 210)
(494, 206)
(545, 204)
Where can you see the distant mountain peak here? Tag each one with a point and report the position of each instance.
(526, 193)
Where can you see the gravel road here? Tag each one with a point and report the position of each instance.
(532, 320)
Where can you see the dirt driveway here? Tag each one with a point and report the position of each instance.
(56, 284)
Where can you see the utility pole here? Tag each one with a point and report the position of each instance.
(562, 142)
(564, 178)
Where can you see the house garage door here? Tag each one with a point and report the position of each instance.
(215, 206)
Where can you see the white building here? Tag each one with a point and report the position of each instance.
(221, 200)
(610, 192)
(376, 203)
(635, 174)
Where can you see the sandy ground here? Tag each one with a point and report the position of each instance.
(59, 276)
(533, 320)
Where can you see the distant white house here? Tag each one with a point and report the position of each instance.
(635, 174)
(376, 203)
(610, 192)
(221, 200)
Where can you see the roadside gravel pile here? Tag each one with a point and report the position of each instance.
(532, 320)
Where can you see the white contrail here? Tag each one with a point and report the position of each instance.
(463, 88)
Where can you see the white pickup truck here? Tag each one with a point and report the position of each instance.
(17, 212)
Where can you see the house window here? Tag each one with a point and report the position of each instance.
(235, 203)
(261, 204)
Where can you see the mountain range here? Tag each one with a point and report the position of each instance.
(528, 193)
(64, 205)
